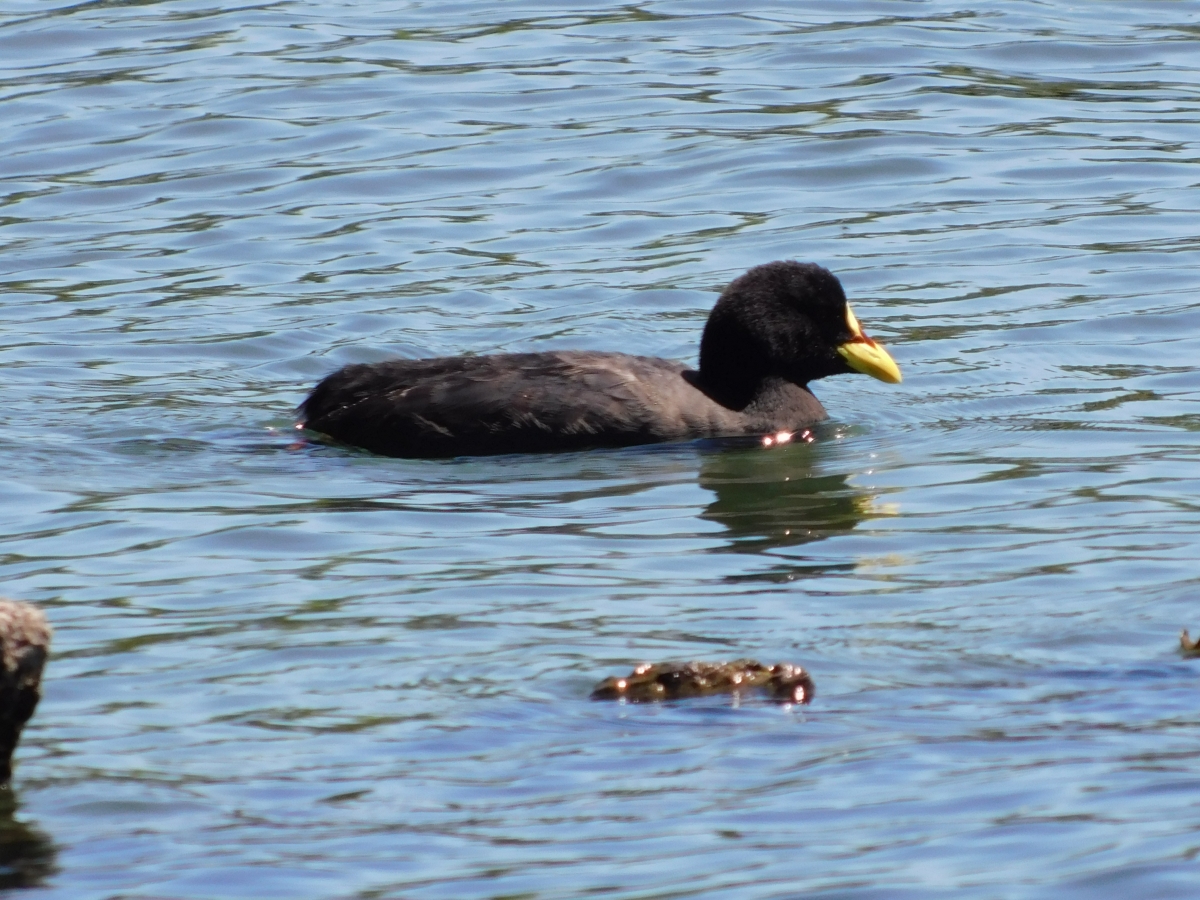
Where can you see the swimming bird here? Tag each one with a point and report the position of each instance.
(773, 330)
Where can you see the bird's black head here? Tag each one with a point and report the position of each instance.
(785, 320)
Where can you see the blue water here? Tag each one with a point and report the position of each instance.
(283, 669)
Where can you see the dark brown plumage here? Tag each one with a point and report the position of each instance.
(772, 331)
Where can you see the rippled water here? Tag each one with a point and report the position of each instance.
(283, 669)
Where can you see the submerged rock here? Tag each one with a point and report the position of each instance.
(24, 645)
(671, 681)
(1187, 646)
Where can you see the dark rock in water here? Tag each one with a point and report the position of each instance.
(672, 681)
(24, 645)
(1187, 646)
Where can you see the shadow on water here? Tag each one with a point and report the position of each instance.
(767, 502)
(773, 499)
(27, 855)
(765, 499)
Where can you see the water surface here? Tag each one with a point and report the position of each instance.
(294, 670)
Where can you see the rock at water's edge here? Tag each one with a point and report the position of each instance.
(24, 646)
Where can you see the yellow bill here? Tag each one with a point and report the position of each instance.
(864, 355)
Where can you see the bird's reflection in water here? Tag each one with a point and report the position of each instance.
(26, 854)
(775, 497)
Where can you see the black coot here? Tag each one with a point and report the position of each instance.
(773, 330)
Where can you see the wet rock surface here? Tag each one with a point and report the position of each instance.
(783, 682)
(1187, 646)
(24, 645)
